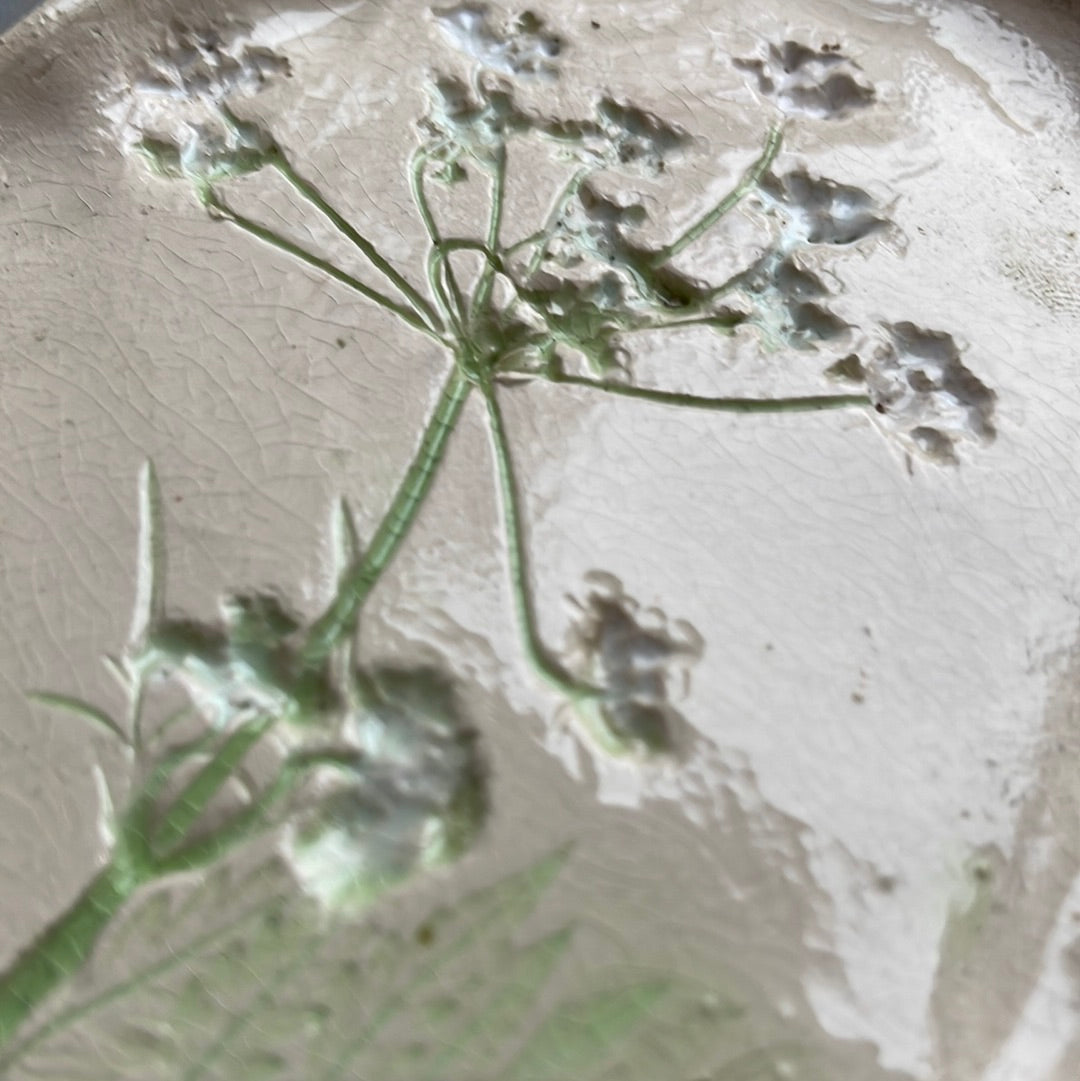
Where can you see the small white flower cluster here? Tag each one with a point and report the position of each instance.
(463, 123)
(230, 673)
(207, 65)
(633, 656)
(415, 798)
(519, 47)
(623, 137)
(815, 210)
(805, 82)
(787, 303)
(924, 393)
(173, 115)
(593, 227)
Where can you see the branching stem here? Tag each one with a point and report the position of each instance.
(750, 180)
(289, 247)
(543, 238)
(452, 305)
(312, 194)
(482, 293)
(339, 619)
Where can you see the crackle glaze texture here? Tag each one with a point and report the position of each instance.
(771, 670)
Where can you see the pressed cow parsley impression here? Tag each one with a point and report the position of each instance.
(804, 82)
(413, 796)
(373, 782)
(632, 656)
(520, 46)
(927, 395)
(175, 112)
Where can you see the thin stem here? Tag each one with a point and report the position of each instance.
(254, 817)
(543, 238)
(809, 404)
(312, 194)
(538, 656)
(454, 305)
(441, 255)
(525, 242)
(749, 181)
(482, 293)
(276, 240)
(713, 321)
(191, 802)
(339, 618)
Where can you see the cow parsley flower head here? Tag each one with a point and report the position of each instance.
(925, 394)
(519, 46)
(594, 227)
(413, 797)
(802, 81)
(241, 667)
(468, 123)
(176, 114)
(620, 136)
(208, 66)
(815, 210)
(635, 657)
(788, 306)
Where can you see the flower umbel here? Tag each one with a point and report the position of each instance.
(633, 656)
(926, 394)
(518, 46)
(413, 797)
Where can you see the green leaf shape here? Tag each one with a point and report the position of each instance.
(508, 1001)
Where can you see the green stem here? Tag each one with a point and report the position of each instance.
(312, 194)
(549, 669)
(191, 802)
(439, 257)
(64, 946)
(203, 851)
(276, 240)
(339, 618)
(809, 404)
(749, 181)
(453, 307)
(482, 293)
(543, 238)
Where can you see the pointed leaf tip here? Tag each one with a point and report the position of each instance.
(150, 558)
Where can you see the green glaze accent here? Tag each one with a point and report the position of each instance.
(289, 247)
(749, 181)
(811, 404)
(200, 945)
(63, 947)
(338, 621)
(193, 799)
(538, 656)
(77, 707)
